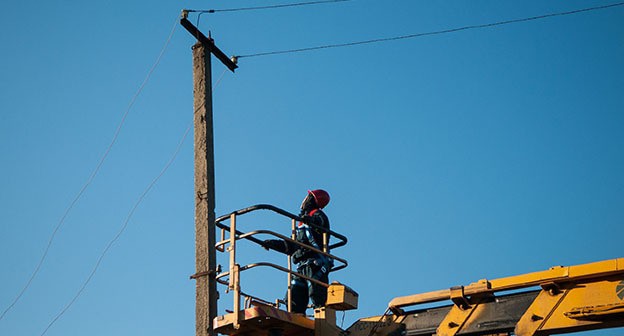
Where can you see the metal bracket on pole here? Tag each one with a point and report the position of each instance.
(208, 42)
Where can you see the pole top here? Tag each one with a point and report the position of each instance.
(207, 41)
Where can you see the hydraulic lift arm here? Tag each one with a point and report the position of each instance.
(567, 299)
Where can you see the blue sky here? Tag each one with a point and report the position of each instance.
(450, 158)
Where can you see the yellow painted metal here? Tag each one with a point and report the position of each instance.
(325, 322)
(455, 319)
(376, 326)
(237, 294)
(341, 297)
(555, 274)
(220, 247)
(539, 311)
(560, 273)
(261, 318)
(258, 320)
(459, 298)
(596, 312)
(232, 251)
(597, 301)
(410, 300)
(234, 279)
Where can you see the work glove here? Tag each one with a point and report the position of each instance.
(265, 245)
(274, 244)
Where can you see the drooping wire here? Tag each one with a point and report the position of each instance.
(120, 232)
(92, 176)
(446, 31)
(211, 11)
(127, 220)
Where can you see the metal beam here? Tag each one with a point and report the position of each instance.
(595, 270)
(209, 43)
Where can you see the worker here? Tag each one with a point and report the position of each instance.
(309, 263)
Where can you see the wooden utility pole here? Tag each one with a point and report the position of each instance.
(206, 294)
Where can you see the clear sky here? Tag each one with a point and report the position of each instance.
(449, 158)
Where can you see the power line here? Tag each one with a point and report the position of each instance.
(210, 11)
(91, 177)
(127, 220)
(121, 231)
(446, 31)
(240, 9)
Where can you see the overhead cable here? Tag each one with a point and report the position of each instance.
(127, 220)
(119, 233)
(91, 177)
(210, 11)
(446, 31)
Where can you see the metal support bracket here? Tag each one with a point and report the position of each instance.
(551, 287)
(458, 297)
(208, 42)
(457, 317)
(201, 274)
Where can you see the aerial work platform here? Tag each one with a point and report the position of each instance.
(261, 317)
(262, 320)
(559, 300)
(265, 319)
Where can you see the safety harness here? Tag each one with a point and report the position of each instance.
(323, 262)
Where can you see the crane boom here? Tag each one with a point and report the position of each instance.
(568, 299)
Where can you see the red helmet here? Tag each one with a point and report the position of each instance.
(320, 196)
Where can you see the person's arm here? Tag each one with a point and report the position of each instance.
(279, 245)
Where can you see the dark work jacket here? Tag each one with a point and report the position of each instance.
(305, 234)
(310, 235)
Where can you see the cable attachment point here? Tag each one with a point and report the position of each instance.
(202, 274)
(234, 59)
(185, 13)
